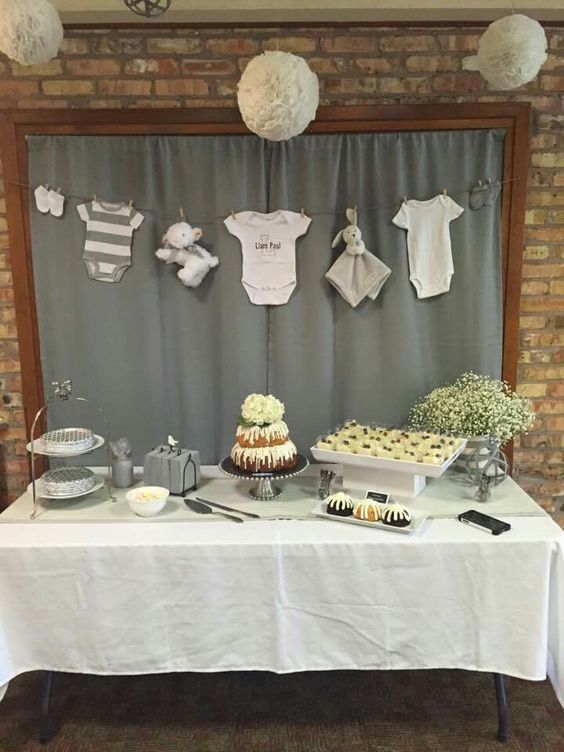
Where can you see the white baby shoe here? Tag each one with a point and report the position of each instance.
(56, 202)
(42, 199)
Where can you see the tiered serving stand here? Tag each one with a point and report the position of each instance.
(62, 393)
(264, 488)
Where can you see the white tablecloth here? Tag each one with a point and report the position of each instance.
(147, 597)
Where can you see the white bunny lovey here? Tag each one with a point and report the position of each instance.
(180, 247)
(351, 235)
(357, 273)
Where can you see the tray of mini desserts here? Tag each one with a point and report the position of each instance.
(404, 450)
(340, 507)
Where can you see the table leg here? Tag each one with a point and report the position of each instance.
(45, 730)
(501, 707)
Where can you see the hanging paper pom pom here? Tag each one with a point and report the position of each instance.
(511, 52)
(278, 95)
(31, 31)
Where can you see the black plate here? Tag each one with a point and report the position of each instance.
(229, 468)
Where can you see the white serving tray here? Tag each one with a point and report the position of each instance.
(380, 463)
(39, 448)
(99, 482)
(418, 517)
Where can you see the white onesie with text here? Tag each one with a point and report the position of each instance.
(268, 243)
(428, 242)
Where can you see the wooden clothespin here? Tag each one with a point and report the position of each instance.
(405, 199)
(94, 197)
(444, 191)
(182, 215)
(59, 189)
(130, 204)
(303, 212)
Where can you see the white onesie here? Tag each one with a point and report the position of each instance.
(428, 242)
(268, 243)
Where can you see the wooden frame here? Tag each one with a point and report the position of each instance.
(17, 124)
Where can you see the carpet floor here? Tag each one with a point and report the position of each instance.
(394, 711)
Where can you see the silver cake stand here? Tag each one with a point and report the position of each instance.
(264, 490)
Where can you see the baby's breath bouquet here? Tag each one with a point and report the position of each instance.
(475, 405)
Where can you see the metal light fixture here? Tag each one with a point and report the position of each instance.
(148, 8)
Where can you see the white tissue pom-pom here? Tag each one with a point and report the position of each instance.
(511, 52)
(278, 95)
(31, 31)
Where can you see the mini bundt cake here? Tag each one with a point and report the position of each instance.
(396, 515)
(340, 504)
(366, 510)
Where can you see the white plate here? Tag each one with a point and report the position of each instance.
(380, 463)
(418, 517)
(38, 448)
(99, 482)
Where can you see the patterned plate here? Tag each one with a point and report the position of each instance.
(39, 448)
(67, 481)
(68, 439)
(98, 483)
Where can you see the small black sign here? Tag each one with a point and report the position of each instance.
(379, 496)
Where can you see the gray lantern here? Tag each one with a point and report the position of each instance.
(148, 8)
(487, 467)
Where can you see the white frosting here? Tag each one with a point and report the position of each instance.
(278, 430)
(340, 500)
(270, 455)
(395, 512)
(362, 449)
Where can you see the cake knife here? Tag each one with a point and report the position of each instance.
(199, 508)
(229, 509)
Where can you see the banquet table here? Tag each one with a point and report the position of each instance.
(90, 588)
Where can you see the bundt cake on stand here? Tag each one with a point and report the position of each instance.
(263, 449)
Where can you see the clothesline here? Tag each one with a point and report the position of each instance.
(210, 221)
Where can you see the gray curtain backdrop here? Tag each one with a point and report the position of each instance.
(161, 358)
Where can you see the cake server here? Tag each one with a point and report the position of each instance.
(199, 508)
(229, 509)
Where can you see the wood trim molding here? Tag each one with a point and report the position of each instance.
(15, 125)
(480, 23)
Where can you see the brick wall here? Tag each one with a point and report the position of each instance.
(181, 68)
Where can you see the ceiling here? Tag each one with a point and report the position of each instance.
(318, 11)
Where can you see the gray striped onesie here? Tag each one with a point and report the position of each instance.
(109, 234)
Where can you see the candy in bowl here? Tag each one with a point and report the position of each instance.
(147, 501)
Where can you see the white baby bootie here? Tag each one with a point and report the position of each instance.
(56, 202)
(42, 199)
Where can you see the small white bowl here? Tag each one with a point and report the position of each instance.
(147, 507)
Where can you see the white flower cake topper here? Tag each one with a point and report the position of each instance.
(262, 409)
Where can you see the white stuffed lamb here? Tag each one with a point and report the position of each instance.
(180, 247)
